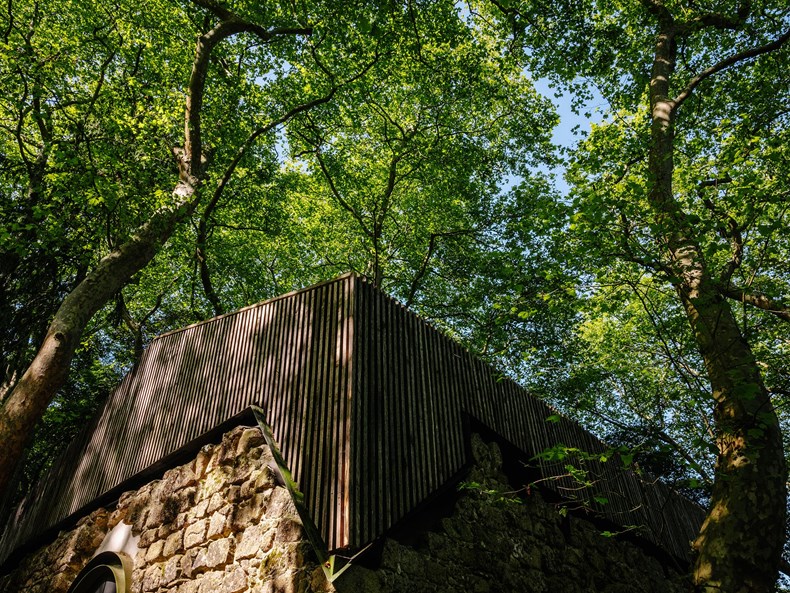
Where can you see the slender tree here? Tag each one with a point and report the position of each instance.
(26, 401)
(674, 76)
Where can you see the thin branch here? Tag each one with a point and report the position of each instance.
(731, 232)
(415, 284)
(726, 63)
(338, 196)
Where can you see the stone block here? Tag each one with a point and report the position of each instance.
(195, 534)
(187, 561)
(248, 487)
(257, 538)
(233, 494)
(250, 438)
(218, 526)
(172, 570)
(198, 511)
(242, 471)
(189, 587)
(174, 544)
(201, 461)
(182, 477)
(235, 581)
(250, 511)
(154, 551)
(266, 479)
(289, 529)
(220, 552)
(148, 537)
(199, 562)
(280, 502)
(179, 523)
(216, 502)
(211, 582)
(216, 555)
(152, 578)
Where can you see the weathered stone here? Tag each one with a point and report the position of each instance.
(258, 544)
(233, 494)
(199, 510)
(165, 530)
(250, 511)
(199, 562)
(248, 487)
(201, 461)
(153, 578)
(174, 544)
(172, 571)
(279, 503)
(218, 526)
(254, 539)
(148, 537)
(242, 472)
(215, 502)
(154, 552)
(289, 529)
(250, 438)
(219, 553)
(234, 581)
(211, 582)
(195, 534)
(178, 478)
(189, 587)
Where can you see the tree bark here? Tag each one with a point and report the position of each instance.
(739, 545)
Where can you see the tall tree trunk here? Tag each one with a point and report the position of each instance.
(740, 543)
(28, 400)
(48, 372)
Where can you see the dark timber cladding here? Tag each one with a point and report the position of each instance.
(366, 402)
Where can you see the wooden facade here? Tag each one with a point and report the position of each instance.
(367, 403)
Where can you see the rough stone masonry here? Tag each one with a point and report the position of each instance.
(222, 524)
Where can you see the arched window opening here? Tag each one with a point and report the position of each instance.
(109, 572)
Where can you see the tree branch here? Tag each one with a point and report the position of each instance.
(726, 63)
(333, 188)
(202, 238)
(193, 150)
(756, 299)
(731, 232)
(415, 283)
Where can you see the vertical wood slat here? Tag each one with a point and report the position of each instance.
(201, 376)
(451, 381)
(365, 401)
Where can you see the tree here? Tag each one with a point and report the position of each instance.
(439, 102)
(47, 121)
(662, 187)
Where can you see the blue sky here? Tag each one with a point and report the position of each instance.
(563, 133)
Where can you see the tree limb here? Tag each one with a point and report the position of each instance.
(726, 63)
(202, 237)
(756, 299)
(193, 149)
(415, 283)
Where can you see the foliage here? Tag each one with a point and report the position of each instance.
(405, 141)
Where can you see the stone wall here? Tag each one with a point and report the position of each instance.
(518, 544)
(222, 524)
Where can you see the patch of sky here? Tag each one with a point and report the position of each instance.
(575, 121)
(574, 125)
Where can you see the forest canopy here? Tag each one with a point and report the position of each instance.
(165, 161)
